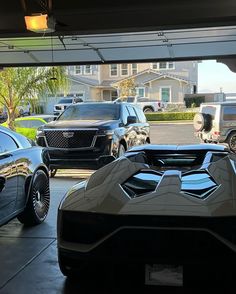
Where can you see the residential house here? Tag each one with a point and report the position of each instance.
(165, 81)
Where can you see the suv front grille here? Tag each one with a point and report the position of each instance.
(70, 138)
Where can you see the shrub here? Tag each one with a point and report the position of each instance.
(189, 101)
(169, 116)
(175, 107)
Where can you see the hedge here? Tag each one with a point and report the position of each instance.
(169, 116)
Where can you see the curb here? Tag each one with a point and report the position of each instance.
(170, 123)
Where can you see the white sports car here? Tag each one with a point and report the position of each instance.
(158, 208)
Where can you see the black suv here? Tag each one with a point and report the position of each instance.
(85, 134)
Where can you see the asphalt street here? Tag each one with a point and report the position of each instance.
(167, 133)
(28, 256)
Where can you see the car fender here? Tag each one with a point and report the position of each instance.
(29, 179)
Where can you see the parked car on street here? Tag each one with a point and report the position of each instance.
(146, 104)
(64, 103)
(3, 116)
(158, 209)
(27, 126)
(24, 180)
(86, 134)
(33, 121)
(24, 108)
(216, 123)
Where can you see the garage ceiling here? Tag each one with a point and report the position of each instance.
(123, 31)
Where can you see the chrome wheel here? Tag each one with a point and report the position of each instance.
(41, 198)
(38, 200)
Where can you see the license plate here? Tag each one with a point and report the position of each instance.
(164, 275)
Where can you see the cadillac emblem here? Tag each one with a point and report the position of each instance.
(68, 134)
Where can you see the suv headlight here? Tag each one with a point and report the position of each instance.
(40, 131)
(105, 132)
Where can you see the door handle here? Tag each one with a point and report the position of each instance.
(2, 183)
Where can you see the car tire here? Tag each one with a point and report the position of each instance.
(121, 150)
(231, 141)
(202, 121)
(52, 173)
(148, 109)
(38, 202)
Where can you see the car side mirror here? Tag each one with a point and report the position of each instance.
(105, 159)
(131, 119)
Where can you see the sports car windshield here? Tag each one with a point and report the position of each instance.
(91, 112)
(177, 161)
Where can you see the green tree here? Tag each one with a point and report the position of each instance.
(18, 85)
(126, 87)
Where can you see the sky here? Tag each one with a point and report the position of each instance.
(214, 77)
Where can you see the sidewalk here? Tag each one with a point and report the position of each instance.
(74, 173)
(179, 122)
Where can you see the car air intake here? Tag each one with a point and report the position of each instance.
(141, 183)
(198, 184)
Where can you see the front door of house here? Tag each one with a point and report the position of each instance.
(165, 94)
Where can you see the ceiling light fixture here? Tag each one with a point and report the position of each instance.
(40, 23)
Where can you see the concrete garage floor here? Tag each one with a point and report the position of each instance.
(28, 260)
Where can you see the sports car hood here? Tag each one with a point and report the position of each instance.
(61, 124)
(132, 185)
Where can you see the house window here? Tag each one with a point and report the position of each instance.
(165, 94)
(155, 65)
(80, 95)
(124, 69)
(113, 70)
(134, 68)
(166, 65)
(78, 69)
(171, 65)
(88, 69)
(114, 95)
(140, 91)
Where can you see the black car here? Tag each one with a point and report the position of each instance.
(87, 134)
(24, 181)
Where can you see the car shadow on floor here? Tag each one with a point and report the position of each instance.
(73, 287)
(127, 282)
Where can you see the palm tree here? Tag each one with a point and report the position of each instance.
(19, 85)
